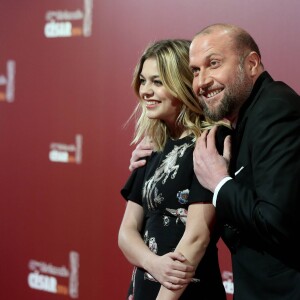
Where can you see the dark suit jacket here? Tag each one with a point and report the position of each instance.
(260, 207)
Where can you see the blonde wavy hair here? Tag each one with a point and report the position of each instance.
(172, 57)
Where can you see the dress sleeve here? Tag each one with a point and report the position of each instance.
(198, 193)
(132, 190)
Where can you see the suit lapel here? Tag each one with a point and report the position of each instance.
(264, 80)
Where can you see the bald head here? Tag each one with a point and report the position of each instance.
(225, 62)
(242, 41)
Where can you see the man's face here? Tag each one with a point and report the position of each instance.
(220, 82)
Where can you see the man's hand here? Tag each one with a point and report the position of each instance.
(210, 167)
(143, 149)
(170, 270)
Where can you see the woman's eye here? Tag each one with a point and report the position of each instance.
(157, 82)
(142, 81)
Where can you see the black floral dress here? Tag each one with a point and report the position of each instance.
(165, 187)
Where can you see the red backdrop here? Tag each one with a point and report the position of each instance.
(65, 73)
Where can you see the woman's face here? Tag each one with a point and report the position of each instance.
(159, 102)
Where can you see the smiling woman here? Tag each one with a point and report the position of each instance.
(165, 64)
(169, 218)
(160, 103)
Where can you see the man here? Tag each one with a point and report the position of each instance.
(256, 191)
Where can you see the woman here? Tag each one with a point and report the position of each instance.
(168, 230)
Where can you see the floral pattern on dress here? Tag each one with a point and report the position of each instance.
(167, 169)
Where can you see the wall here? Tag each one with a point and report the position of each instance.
(65, 73)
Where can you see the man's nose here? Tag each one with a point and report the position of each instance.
(203, 80)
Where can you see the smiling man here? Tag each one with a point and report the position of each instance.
(224, 72)
(256, 183)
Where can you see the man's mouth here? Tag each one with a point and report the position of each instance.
(210, 93)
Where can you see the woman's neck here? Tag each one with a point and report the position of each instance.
(178, 133)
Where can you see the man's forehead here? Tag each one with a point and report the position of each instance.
(208, 44)
(203, 47)
(214, 38)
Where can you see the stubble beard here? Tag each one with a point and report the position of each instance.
(235, 95)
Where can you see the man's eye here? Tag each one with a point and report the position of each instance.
(214, 63)
(195, 71)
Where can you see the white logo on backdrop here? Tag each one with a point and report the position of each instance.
(64, 23)
(44, 276)
(67, 153)
(8, 82)
(228, 282)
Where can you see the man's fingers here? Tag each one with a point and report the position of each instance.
(211, 137)
(142, 150)
(137, 164)
(200, 145)
(146, 144)
(227, 148)
(203, 136)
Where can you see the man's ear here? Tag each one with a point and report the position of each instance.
(253, 63)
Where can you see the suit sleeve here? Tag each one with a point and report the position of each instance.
(262, 202)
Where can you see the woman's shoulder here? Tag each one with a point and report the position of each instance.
(221, 134)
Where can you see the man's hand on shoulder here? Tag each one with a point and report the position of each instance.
(210, 167)
(142, 150)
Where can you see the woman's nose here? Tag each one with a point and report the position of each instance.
(146, 90)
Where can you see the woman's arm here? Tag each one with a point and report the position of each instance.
(166, 269)
(193, 244)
